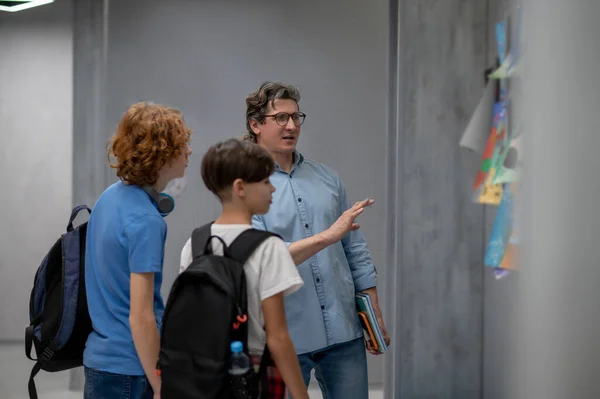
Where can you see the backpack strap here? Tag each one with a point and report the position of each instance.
(246, 243)
(263, 376)
(74, 213)
(46, 356)
(200, 238)
(31, 384)
(240, 250)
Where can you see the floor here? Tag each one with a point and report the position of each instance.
(15, 369)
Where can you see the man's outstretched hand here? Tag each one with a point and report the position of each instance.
(347, 222)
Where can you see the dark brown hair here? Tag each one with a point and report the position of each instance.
(258, 102)
(234, 159)
(147, 137)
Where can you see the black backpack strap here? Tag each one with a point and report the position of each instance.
(263, 376)
(74, 213)
(240, 250)
(200, 237)
(44, 357)
(31, 385)
(246, 243)
(29, 341)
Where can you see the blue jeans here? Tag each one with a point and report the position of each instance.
(105, 385)
(341, 370)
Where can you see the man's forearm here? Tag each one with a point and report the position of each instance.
(147, 344)
(303, 249)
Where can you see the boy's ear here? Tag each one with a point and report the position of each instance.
(238, 188)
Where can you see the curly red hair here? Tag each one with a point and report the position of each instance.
(148, 137)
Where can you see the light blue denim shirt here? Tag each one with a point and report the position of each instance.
(308, 201)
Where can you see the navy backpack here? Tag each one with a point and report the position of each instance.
(58, 313)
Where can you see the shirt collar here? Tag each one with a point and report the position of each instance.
(298, 158)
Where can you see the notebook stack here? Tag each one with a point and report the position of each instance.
(371, 327)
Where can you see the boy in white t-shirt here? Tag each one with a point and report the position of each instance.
(237, 172)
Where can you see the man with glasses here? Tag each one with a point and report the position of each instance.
(312, 213)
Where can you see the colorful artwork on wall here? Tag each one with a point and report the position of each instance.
(484, 191)
(498, 178)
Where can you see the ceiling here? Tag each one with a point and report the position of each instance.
(20, 5)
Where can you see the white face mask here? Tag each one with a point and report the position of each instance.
(176, 187)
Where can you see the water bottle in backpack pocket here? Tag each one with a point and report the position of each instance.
(241, 372)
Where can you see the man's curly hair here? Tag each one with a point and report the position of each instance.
(147, 137)
(258, 102)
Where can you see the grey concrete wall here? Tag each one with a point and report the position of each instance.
(90, 132)
(36, 103)
(556, 352)
(436, 233)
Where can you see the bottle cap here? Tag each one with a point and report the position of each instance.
(236, 346)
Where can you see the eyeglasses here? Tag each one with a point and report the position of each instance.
(282, 118)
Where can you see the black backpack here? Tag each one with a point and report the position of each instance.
(58, 312)
(205, 312)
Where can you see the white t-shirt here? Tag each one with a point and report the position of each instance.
(270, 270)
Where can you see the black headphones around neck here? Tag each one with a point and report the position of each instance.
(164, 202)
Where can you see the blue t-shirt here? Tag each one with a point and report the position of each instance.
(126, 234)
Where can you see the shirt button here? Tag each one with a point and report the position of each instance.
(299, 199)
(318, 280)
(306, 225)
(322, 307)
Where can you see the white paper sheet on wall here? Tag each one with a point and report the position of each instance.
(478, 130)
